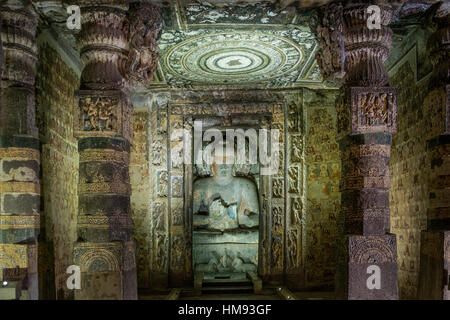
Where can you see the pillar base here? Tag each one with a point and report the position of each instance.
(18, 263)
(367, 258)
(108, 271)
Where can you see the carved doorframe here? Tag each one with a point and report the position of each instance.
(271, 240)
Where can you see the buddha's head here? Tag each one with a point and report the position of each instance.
(222, 163)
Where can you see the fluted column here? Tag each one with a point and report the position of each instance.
(19, 150)
(117, 50)
(367, 114)
(434, 278)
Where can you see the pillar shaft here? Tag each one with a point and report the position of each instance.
(108, 40)
(367, 114)
(19, 150)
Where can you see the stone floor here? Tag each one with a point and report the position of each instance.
(246, 296)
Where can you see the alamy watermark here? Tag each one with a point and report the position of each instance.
(74, 280)
(251, 147)
(374, 19)
(374, 280)
(74, 20)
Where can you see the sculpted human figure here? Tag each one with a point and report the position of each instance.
(92, 112)
(224, 202)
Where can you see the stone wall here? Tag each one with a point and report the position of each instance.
(322, 172)
(409, 179)
(56, 83)
(140, 197)
(420, 118)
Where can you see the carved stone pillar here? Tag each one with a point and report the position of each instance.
(367, 111)
(434, 278)
(117, 51)
(19, 150)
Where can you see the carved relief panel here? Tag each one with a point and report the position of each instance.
(374, 110)
(103, 113)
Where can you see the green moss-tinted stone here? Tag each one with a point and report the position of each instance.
(117, 144)
(22, 204)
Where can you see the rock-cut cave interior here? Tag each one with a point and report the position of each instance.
(241, 149)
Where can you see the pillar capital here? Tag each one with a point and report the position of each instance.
(18, 30)
(118, 44)
(366, 49)
(103, 45)
(348, 48)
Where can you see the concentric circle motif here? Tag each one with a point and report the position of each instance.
(233, 58)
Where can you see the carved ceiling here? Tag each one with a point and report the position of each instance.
(251, 45)
(234, 43)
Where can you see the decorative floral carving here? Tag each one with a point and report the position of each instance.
(144, 30)
(373, 249)
(328, 25)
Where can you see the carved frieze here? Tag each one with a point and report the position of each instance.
(158, 215)
(296, 148)
(294, 119)
(177, 186)
(177, 214)
(103, 113)
(372, 110)
(163, 181)
(277, 218)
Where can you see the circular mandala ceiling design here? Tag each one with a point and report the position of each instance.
(234, 58)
